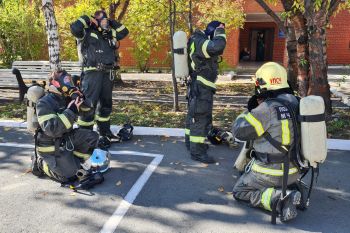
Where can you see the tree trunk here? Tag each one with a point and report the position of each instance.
(272, 14)
(302, 57)
(190, 17)
(291, 45)
(113, 8)
(316, 23)
(123, 11)
(52, 35)
(172, 17)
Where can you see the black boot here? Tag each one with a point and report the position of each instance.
(288, 207)
(35, 166)
(112, 137)
(203, 158)
(104, 142)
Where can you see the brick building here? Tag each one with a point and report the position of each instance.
(261, 37)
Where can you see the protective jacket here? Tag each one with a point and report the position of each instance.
(61, 148)
(54, 120)
(203, 56)
(98, 48)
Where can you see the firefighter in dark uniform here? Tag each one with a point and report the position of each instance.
(99, 37)
(268, 123)
(204, 49)
(60, 149)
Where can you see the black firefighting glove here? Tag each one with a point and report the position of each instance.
(252, 103)
(105, 34)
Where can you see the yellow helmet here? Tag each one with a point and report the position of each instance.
(271, 76)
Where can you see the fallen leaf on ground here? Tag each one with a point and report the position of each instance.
(204, 164)
(221, 189)
(26, 172)
(72, 194)
(119, 183)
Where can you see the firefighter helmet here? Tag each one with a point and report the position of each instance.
(214, 136)
(98, 161)
(126, 132)
(269, 77)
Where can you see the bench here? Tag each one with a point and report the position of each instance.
(33, 70)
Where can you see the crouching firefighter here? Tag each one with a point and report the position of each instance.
(273, 178)
(59, 149)
(204, 49)
(99, 38)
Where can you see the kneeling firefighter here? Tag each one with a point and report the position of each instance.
(280, 155)
(59, 149)
(204, 49)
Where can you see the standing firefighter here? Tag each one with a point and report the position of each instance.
(60, 149)
(99, 37)
(269, 124)
(204, 49)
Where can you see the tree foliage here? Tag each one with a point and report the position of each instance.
(227, 11)
(65, 16)
(149, 24)
(22, 31)
(309, 20)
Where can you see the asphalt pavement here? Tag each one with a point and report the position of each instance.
(153, 186)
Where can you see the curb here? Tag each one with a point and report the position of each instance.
(344, 98)
(332, 144)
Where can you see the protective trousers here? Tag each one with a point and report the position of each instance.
(261, 184)
(199, 118)
(63, 163)
(97, 86)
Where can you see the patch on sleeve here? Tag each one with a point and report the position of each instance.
(283, 113)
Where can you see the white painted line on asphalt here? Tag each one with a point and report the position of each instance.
(333, 144)
(112, 223)
(17, 145)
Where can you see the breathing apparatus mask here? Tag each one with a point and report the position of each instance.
(103, 23)
(63, 83)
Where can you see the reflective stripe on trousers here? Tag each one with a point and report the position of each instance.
(266, 198)
(270, 171)
(197, 139)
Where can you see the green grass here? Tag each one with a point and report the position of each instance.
(167, 88)
(13, 111)
(235, 88)
(161, 115)
(339, 127)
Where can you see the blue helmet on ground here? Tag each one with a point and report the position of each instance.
(98, 161)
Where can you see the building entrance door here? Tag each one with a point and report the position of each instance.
(261, 44)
